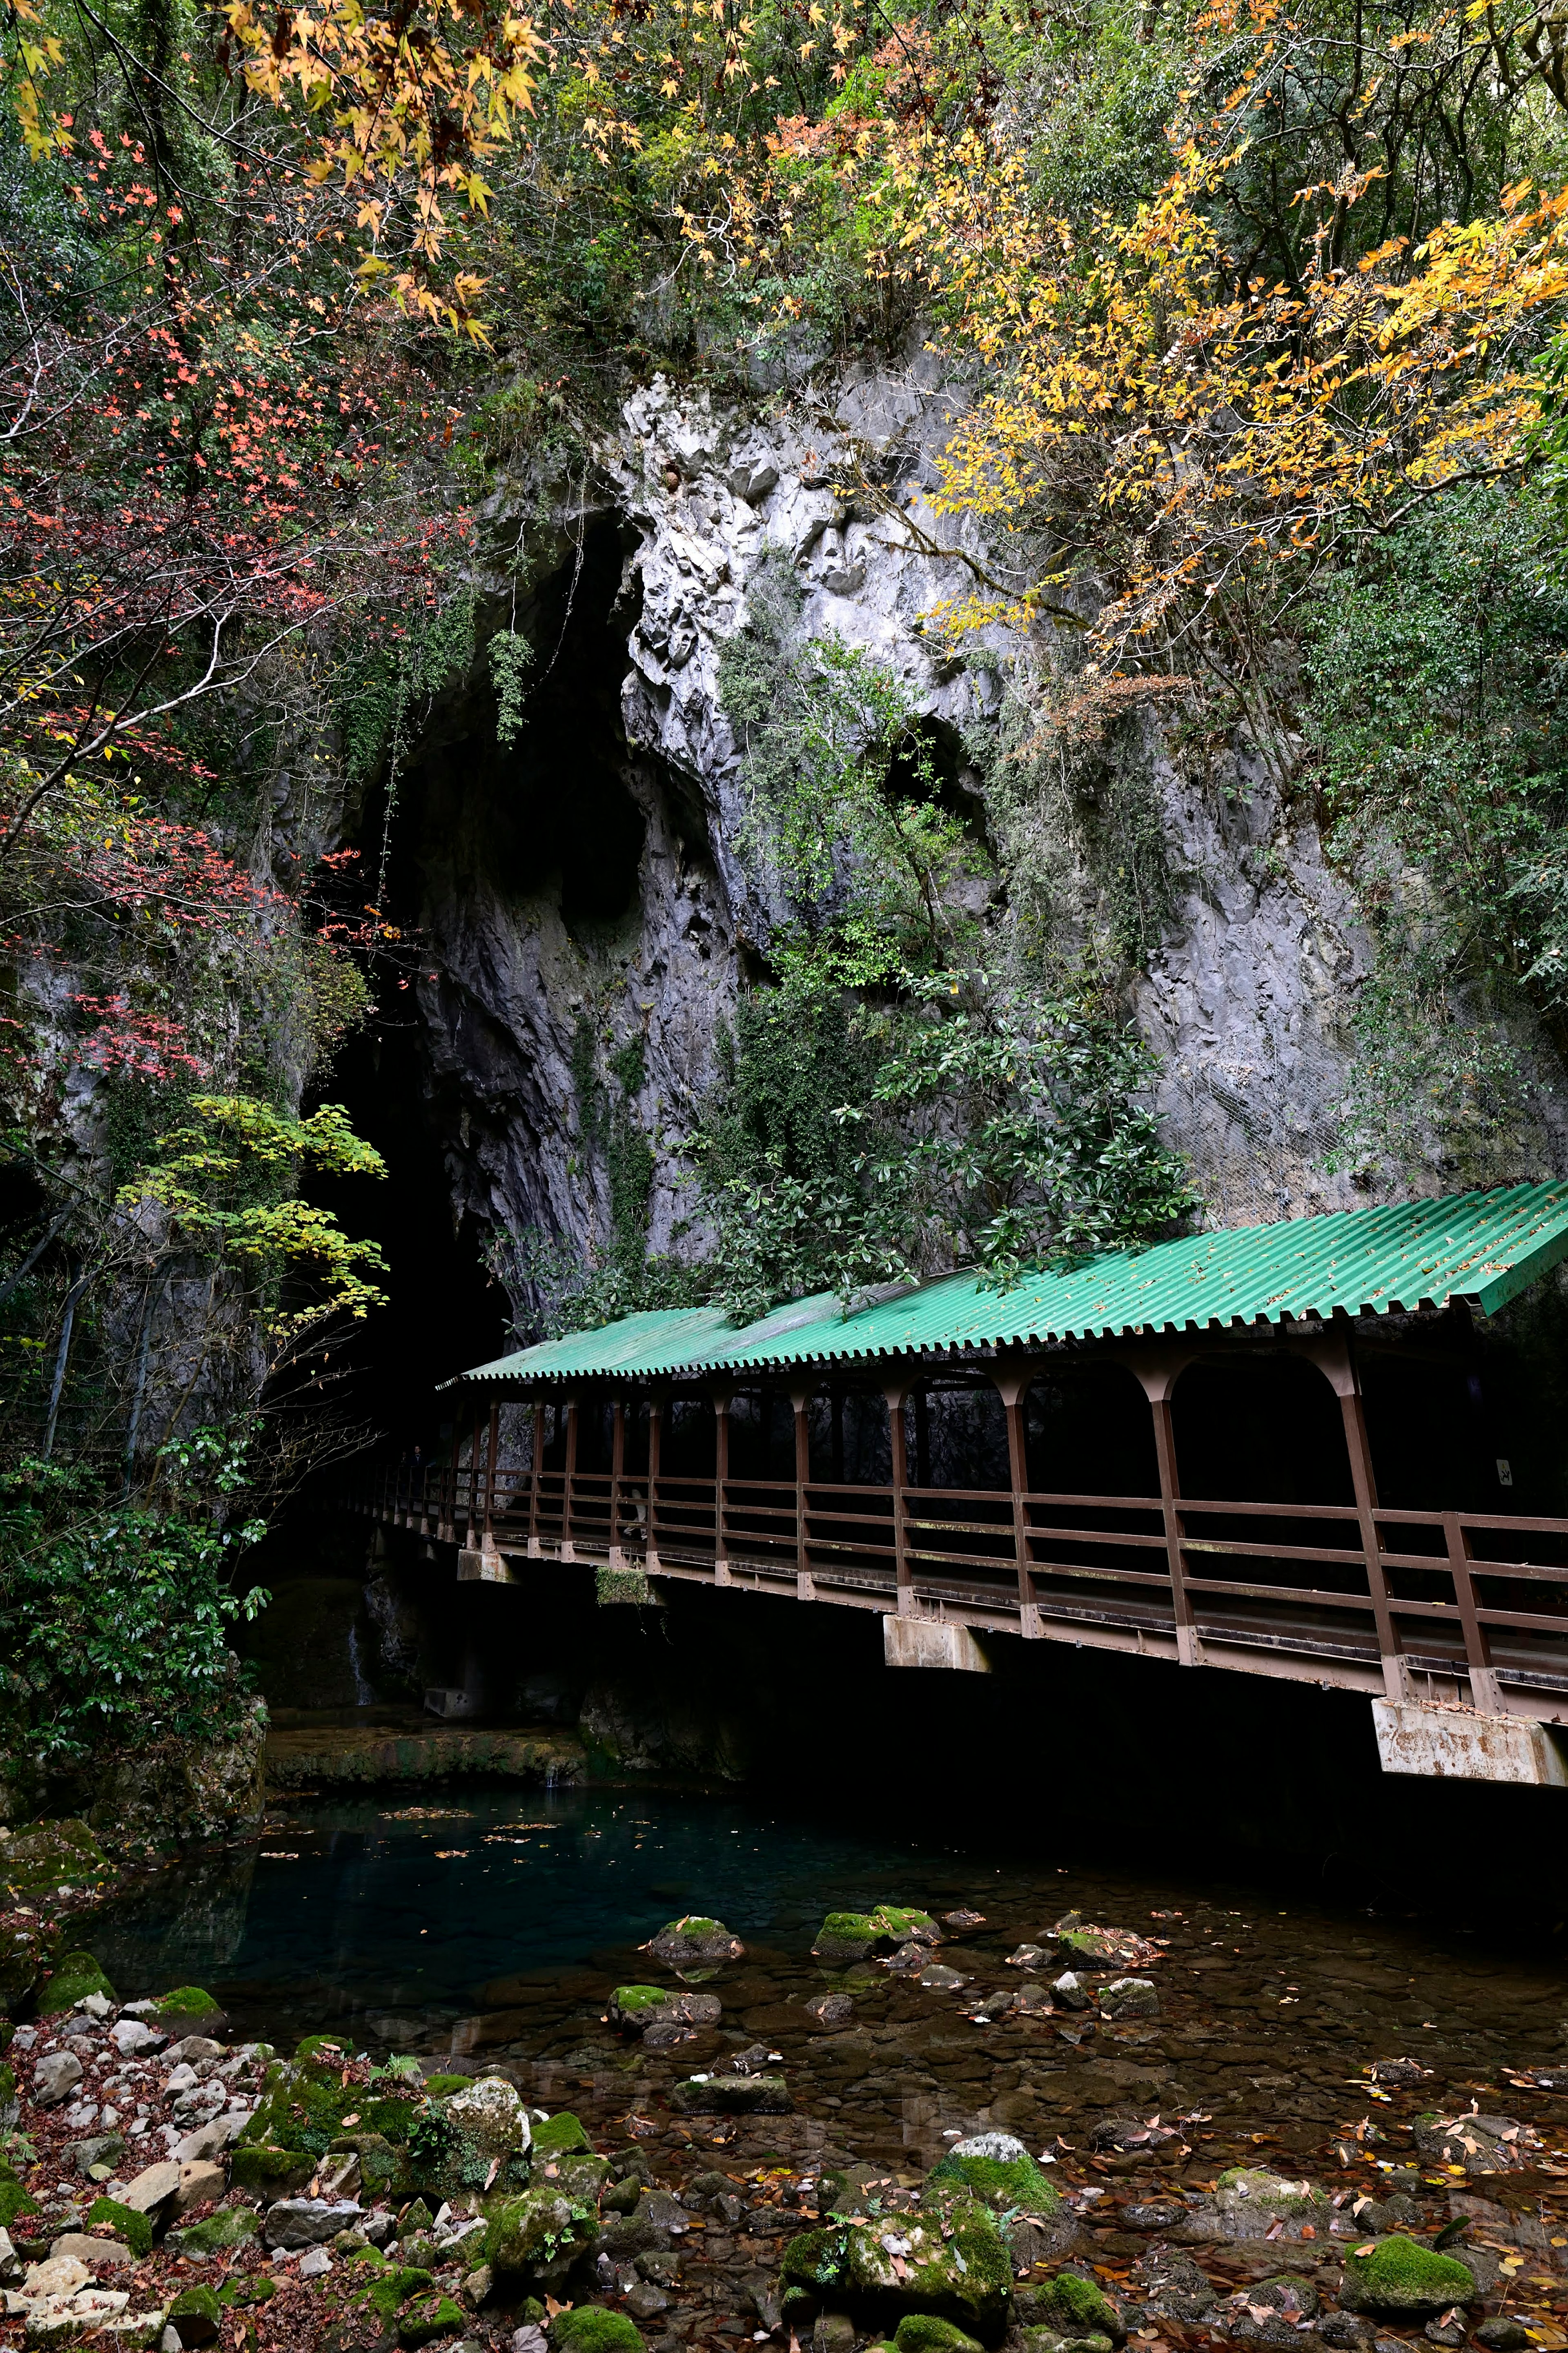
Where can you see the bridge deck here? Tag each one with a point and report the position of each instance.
(1460, 1606)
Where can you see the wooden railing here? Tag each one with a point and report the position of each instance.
(1469, 1605)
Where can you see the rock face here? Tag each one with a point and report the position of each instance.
(590, 943)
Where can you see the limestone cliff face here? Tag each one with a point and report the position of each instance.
(585, 889)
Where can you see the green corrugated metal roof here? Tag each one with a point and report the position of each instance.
(1481, 1247)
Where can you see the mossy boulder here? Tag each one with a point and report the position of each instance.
(589, 2329)
(231, 2226)
(270, 2172)
(253, 2288)
(13, 2202)
(728, 2095)
(1399, 2277)
(846, 1937)
(958, 2268)
(487, 2138)
(902, 1924)
(998, 2170)
(1074, 2306)
(561, 2135)
(380, 2165)
(123, 2222)
(694, 1940)
(636, 2005)
(197, 2313)
(44, 1857)
(923, 2332)
(1480, 2144)
(441, 2087)
(188, 2010)
(26, 1947)
(10, 2098)
(74, 1976)
(1248, 2200)
(300, 2116)
(538, 2234)
(430, 2316)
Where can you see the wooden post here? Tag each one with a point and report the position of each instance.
(805, 1588)
(1013, 1387)
(568, 1550)
(449, 1528)
(1159, 1369)
(720, 1478)
(473, 1480)
(617, 1471)
(1330, 1351)
(533, 1478)
(490, 1467)
(655, 1447)
(1486, 1691)
(903, 1576)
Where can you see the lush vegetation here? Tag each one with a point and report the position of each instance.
(1261, 320)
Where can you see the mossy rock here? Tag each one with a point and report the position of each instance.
(999, 2171)
(231, 2226)
(391, 2287)
(123, 2222)
(634, 2005)
(561, 2135)
(923, 2332)
(301, 2110)
(430, 2316)
(379, 2163)
(15, 2200)
(270, 2172)
(73, 1977)
(958, 2268)
(487, 2141)
(1399, 2277)
(325, 2051)
(256, 2287)
(582, 2178)
(539, 2234)
(1249, 2201)
(903, 1924)
(43, 1856)
(197, 2313)
(26, 1947)
(589, 2329)
(191, 2007)
(693, 1940)
(846, 1937)
(390, 2116)
(10, 2097)
(442, 2087)
(1074, 2306)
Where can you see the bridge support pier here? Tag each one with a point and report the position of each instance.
(932, 1643)
(1456, 1745)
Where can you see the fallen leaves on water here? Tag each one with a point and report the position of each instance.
(429, 1814)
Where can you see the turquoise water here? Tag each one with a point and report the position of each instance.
(344, 1904)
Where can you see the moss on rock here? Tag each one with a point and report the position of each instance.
(958, 2268)
(538, 2233)
(428, 2315)
(231, 2226)
(74, 1976)
(637, 2005)
(43, 1857)
(1074, 2306)
(846, 1937)
(693, 1940)
(998, 2170)
(1398, 2276)
(196, 2313)
(192, 2003)
(924, 2332)
(123, 2222)
(391, 2287)
(561, 2135)
(1249, 2201)
(589, 2329)
(15, 2200)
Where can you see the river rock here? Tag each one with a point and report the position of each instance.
(1030, 1956)
(133, 2038)
(714, 2096)
(1480, 2144)
(1178, 2289)
(1399, 2278)
(959, 2268)
(56, 2074)
(309, 2222)
(1248, 2202)
(1129, 1998)
(995, 2169)
(1075, 2306)
(152, 2189)
(937, 1977)
(831, 2009)
(493, 2136)
(231, 2226)
(689, 1943)
(537, 2235)
(1068, 1993)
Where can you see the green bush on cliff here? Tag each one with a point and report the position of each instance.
(114, 1619)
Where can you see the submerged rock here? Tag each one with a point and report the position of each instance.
(1129, 1998)
(1480, 2144)
(1248, 2202)
(710, 2096)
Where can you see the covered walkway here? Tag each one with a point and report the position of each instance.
(1174, 1453)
